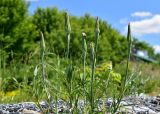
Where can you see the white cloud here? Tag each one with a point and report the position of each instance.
(141, 14)
(157, 48)
(146, 26)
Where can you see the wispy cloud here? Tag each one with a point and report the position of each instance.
(141, 14)
(146, 26)
(157, 48)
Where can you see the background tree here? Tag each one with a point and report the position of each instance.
(12, 13)
(19, 33)
(140, 45)
(51, 22)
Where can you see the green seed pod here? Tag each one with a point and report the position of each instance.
(97, 31)
(92, 51)
(68, 31)
(84, 41)
(36, 71)
(42, 42)
(129, 33)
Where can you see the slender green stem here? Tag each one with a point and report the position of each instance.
(56, 104)
(107, 82)
(93, 59)
(68, 31)
(43, 56)
(57, 87)
(70, 94)
(92, 76)
(84, 59)
(70, 70)
(46, 89)
(129, 50)
(123, 89)
(97, 31)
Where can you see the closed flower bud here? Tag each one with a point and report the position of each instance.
(84, 34)
(42, 41)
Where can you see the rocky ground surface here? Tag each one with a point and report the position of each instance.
(141, 104)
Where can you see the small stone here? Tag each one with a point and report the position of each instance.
(25, 111)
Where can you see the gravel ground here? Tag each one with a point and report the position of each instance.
(141, 104)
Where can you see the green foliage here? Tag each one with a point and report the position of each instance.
(10, 17)
(19, 33)
(28, 60)
(51, 21)
(25, 34)
(157, 57)
(143, 46)
(12, 13)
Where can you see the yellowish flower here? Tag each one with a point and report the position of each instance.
(12, 94)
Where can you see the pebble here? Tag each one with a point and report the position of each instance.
(25, 111)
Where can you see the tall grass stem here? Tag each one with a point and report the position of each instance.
(68, 31)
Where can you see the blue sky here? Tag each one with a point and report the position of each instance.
(144, 15)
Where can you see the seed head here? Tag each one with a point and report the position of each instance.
(92, 45)
(84, 34)
(129, 33)
(67, 23)
(42, 41)
(97, 26)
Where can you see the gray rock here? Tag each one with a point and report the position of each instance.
(25, 111)
(133, 104)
